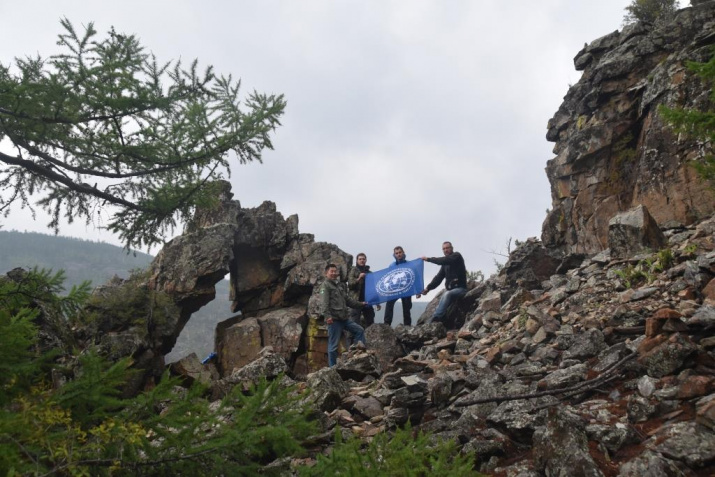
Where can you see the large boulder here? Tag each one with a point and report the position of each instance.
(530, 264)
(239, 340)
(191, 369)
(561, 446)
(633, 231)
(326, 389)
(382, 339)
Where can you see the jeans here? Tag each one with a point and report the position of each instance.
(447, 299)
(406, 307)
(335, 331)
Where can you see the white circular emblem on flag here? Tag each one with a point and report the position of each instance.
(395, 282)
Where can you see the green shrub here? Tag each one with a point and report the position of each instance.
(698, 124)
(85, 427)
(646, 269)
(403, 453)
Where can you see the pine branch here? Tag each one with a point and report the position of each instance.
(50, 175)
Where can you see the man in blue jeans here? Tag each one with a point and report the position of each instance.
(333, 306)
(454, 273)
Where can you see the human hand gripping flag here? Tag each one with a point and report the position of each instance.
(403, 280)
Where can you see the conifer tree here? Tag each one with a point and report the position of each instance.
(85, 427)
(698, 123)
(649, 11)
(103, 125)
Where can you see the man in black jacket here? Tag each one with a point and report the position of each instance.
(400, 257)
(454, 273)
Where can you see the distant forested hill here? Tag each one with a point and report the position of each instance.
(80, 259)
(98, 262)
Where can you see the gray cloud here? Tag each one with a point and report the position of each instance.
(408, 122)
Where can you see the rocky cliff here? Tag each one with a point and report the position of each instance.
(613, 149)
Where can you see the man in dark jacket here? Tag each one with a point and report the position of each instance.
(399, 254)
(454, 273)
(333, 307)
(356, 285)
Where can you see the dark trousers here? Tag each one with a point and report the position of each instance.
(365, 316)
(406, 307)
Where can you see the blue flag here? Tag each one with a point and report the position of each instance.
(405, 279)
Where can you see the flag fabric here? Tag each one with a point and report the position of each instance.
(399, 281)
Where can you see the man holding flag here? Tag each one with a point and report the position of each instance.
(356, 285)
(400, 259)
(454, 273)
(333, 306)
(400, 280)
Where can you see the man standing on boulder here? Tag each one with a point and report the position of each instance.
(399, 254)
(356, 285)
(334, 302)
(454, 272)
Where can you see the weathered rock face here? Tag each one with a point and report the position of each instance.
(613, 149)
(273, 270)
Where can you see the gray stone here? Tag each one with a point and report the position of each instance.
(668, 357)
(369, 407)
(358, 366)
(326, 389)
(191, 369)
(530, 264)
(382, 339)
(652, 464)
(687, 442)
(440, 389)
(267, 365)
(633, 231)
(703, 318)
(397, 416)
(640, 408)
(282, 329)
(561, 446)
(587, 345)
(518, 417)
(482, 449)
(413, 337)
(564, 377)
(646, 386)
(613, 437)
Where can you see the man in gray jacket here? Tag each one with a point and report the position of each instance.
(333, 306)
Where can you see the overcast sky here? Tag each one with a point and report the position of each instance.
(408, 122)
